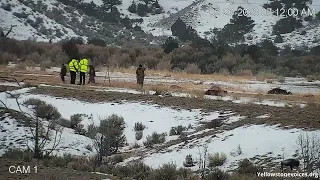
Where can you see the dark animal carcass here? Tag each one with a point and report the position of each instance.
(215, 90)
(290, 162)
(279, 91)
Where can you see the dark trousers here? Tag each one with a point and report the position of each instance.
(82, 78)
(62, 78)
(91, 79)
(73, 76)
(140, 80)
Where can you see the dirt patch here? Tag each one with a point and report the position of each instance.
(9, 88)
(307, 117)
(43, 172)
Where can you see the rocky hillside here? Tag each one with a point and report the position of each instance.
(56, 19)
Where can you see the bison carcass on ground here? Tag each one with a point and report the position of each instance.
(215, 90)
(279, 91)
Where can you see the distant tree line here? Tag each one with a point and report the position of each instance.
(289, 22)
(215, 57)
(145, 7)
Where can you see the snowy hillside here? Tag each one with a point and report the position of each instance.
(24, 28)
(202, 15)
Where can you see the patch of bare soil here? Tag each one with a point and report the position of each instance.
(43, 172)
(308, 117)
(9, 88)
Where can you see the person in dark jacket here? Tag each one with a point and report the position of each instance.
(140, 75)
(63, 72)
(92, 74)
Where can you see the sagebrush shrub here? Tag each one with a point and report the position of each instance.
(155, 138)
(192, 69)
(177, 130)
(217, 159)
(188, 161)
(139, 126)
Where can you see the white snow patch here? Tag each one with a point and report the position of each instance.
(16, 136)
(159, 119)
(250, 139)
(14, 84)
(264, 116)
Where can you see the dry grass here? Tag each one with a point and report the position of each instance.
(195, 90)
(184, 75)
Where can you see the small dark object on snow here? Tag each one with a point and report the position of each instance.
(279, 91)
(290, 162)
(215, 90)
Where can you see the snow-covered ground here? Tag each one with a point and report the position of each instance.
(23, 30)
(253, 140)
(202, 15)
(13, 135)
(155, 118)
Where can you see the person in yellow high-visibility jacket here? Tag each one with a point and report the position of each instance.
(73, 68)
(83, 67)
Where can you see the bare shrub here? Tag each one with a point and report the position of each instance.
(88, 147)
(177, 130)
(224, 72)
(189, 162)
(117, 158)
(192, 69)
(216, 159)
(281, 79)
(164, 65)
(5, 58)
(167, 171)
(311, 78)
(247, 167)
(150, 60)
(155, 138)
(125, 60)
(262, 76)
(21, 66)
(138, 135)
(136, 145)
(43, 112)
(213, 123)
(134, 170)
(80, 166)
(309, 147)
(245, 73)
(35, 57)
(45, 65)
(239, 150)
(217, 174)
(105, 168)
(24, 155)
(139, 126)
(30, 63)
(75, 120)
(183, 136)
(79, 129)
(91, 131)
(64, 122)
(58, 161)
(109, 136)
